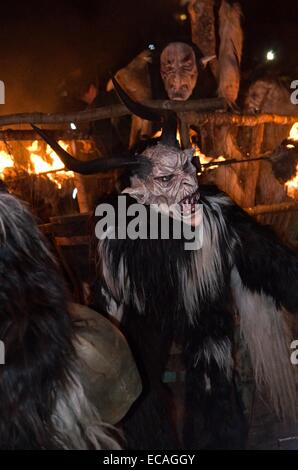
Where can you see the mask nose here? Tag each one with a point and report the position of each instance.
(178, 83)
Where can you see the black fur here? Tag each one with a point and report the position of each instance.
(43, 401)
(154, 315)
(36, 331)
(264, 263)
(154, 269)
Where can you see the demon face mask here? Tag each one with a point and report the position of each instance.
(171, 180)
(179, 71)
(163, 173)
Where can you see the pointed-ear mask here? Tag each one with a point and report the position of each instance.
(163, 173)
(171, 180)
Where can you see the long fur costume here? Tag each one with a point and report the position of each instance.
(43, 403)
(161, 292)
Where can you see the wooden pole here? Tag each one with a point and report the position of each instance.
(192, 114)
(222, 119)
(252, 175)
(15, 134)
(108, 112)
(184, 132)
(272, 208)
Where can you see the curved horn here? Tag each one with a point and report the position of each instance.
(169, 118)
(85, 167)
(144, 112)
(169, 130)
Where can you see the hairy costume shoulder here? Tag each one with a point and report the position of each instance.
(264, 262)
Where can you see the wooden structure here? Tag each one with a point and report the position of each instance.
(70, 234)
(206, 116)
(283, 218)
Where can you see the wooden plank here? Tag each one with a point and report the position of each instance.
(72, 241)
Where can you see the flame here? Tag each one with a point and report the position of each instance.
(6, 161)
(292, 185)
(204, 159)
(40, 165)
(294, 132)
(49, 164)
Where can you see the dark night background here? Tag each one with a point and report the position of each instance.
(42, 41)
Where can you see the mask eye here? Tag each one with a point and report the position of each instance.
(185, 166)
(165, 178)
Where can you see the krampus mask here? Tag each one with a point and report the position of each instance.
(162, 173)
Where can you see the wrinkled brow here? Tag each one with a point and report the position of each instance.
(170, 167)
(145, 167)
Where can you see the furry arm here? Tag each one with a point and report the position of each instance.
(264, 264)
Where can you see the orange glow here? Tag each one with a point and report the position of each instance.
(6, 161)
(51, 163)
(292, 185)
(38, 162)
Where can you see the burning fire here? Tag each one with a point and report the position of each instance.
(39, 163)
(292, 185)
(204, 159)
(6, 161)
(197, 152)
(294, 132)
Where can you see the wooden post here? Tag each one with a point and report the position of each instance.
(252, 176)
(80, 182)
(184, 132)
(202, 29)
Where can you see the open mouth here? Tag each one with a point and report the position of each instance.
(189, 202)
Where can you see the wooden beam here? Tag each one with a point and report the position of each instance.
(224, 119)
(14, 135)
(194, 113)
(108, 112)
